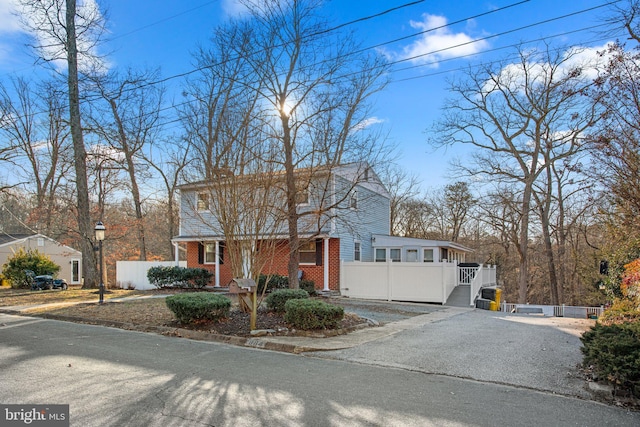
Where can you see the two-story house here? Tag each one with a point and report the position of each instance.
(339, 212)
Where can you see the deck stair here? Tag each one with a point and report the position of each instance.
(460, 297)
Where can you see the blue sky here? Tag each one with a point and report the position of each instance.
(163, 33)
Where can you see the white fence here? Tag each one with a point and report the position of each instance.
(553, 310)
(133, 274)
(398, 281)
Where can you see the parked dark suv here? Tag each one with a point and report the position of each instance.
(48, 282)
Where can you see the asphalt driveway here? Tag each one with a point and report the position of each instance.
(535, 352)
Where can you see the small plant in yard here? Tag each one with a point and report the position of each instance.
(193, 307)
(276, 300)
(272, 282)
(310, 314)
(309, 286)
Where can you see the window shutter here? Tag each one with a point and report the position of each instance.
(318, 251)
(200, 253)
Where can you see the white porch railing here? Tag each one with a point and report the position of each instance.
(477, 278)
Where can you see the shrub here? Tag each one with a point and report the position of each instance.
(621, 311)
(192, 307)
(614, 352)
(309, 314)
(276, 300)
(179, 277)
(272, 282)
(14, 270)
(309, 286)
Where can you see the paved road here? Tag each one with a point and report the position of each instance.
(113, 377)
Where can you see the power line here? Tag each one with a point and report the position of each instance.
(404, 38)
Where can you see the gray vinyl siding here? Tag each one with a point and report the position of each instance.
(372, 216)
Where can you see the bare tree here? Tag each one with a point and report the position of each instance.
(127, 121)
(35, 122)
(316, 92)
(521, 118)
(282, 93)
(169, 158)
(403, 187)
(65, 32)
(449, 210)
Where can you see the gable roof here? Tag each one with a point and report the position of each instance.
(12, 239)
(360, 173)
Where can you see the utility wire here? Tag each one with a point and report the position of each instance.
(399, 61)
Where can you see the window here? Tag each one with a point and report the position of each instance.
(40, 241)
(412, 255)
(381, 255)
(353, 202)
(203, 202)
(394, 254)
(75, 271)
(308, 253)
(356, 251)
(209, 253)
(428, 255)
(302, 196)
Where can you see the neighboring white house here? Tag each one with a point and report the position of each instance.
(69, 259)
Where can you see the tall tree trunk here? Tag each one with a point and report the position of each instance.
(292, 208)
(85, 226)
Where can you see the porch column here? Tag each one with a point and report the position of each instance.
(217, 279)
(326, 265)
(176, 252)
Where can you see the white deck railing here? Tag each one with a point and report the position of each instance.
(477, 278)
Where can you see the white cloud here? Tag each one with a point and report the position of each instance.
(438, 42)
(234, 8)
(9, 22)
(587, 60)
(370, 121)
(12, 15)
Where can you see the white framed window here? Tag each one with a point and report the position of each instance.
(381, 255)
(40, 241)
(412, 255)
(427, 255)
(353, 201)
(210, 253)
(203, 202)
(356, 251)
(75, 271)
(302, 196)
(395, 254)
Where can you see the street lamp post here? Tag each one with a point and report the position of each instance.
(99, 229)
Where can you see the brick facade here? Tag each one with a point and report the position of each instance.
(279, 265)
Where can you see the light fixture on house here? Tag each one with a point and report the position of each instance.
(99, 230)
